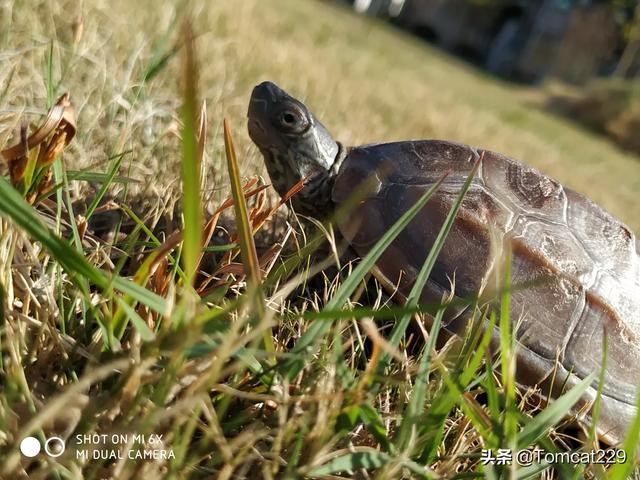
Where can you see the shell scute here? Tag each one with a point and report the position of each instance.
(575, 268)
(584, 350)
(524, 188)
(556, 244)
(408, 163)
(543, 330)
(608, 241)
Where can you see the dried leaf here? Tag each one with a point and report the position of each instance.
(30, 159)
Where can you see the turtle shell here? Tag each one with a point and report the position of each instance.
(578, 266)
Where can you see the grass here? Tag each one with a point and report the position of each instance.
(607, 106)
(238, 362)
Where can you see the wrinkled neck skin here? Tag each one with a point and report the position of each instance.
(288, 168)
(296, 147)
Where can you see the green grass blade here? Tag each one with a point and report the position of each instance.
(60, 173)
(493, 397)
(556, 411)
(433, 423)
(108, 180)
(245, 231)
(419, 394)
(140, 325)
(153, 242)
(29, 171)
(245, 237)
(97, 177)
(368, 459)
(425, 271)
(631, 447)
(564, 470)
(139, 293)
(533, 471)
(190, 165)
(49, 82)
(371, 419)
(470, 371)
(508, 362)
(365, 265)
(161, 54)
(290, 264)
(318, 329)
(385, 312)
(595, 411)
(410, 419)
(13, 206)
(119, 319)
(470, 411)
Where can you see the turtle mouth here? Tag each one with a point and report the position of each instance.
(263, 97)
(257, 115)
(257, 107)
(257, 133)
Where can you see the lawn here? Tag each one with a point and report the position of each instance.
(367, 81)
(242, 384)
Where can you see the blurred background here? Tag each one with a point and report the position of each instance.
(527, 40)
(594, 44)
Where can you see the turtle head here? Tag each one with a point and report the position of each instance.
(295, 146)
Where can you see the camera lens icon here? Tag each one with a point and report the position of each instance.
(53, 446)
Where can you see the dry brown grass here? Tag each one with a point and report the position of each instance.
(367, 83)
(191, 382)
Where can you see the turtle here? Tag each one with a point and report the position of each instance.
(582, 264)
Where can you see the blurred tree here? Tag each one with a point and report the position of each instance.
(631, 31)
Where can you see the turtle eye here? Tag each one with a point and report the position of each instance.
(292, 120)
